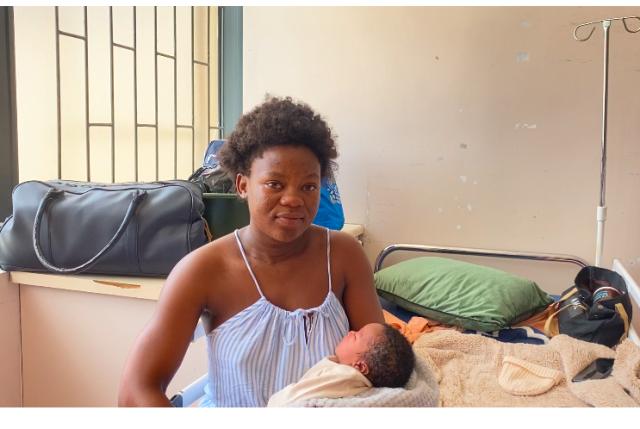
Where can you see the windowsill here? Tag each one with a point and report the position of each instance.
(132, 287)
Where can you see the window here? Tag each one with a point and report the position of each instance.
(8, 151)
(116, 94)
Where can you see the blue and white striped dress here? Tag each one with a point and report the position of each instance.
(263, 348)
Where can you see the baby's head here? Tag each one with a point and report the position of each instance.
(380, 352)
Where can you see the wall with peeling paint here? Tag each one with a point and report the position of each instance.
(465, 126)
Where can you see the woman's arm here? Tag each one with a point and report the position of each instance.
(160, 348)
(359, 297)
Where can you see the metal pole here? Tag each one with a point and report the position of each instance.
(58, 100)
(193, 92)
(155, 56)
(135, 91)
(605, 93)
(86, 92)
(113, 123)
(208, 74)
(175, 95)
(221, 93)
(601, 211)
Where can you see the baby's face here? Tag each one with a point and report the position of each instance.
(355, 343)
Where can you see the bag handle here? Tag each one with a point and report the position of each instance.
(551, 324)
(625, 318)
(51, 195)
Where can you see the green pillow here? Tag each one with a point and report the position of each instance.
(461, 294)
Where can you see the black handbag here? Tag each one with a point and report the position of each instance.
(596, 309)
(68, 227)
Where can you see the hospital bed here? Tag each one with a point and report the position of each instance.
(194, 392)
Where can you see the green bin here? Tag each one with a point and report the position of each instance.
(224, 213)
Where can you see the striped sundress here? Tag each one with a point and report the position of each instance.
(263, 348)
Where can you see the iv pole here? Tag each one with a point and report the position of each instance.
(601, 213)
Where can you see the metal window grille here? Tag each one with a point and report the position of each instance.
(216, 128)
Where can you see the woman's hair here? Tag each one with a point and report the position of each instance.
(390, 359)
(278, 122)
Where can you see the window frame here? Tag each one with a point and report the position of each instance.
(8, 125)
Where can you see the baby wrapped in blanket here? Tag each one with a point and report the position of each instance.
(375, 356)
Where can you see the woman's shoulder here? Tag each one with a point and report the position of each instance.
(344, 249)
(206, 262)
(343, 241)
(213, 255)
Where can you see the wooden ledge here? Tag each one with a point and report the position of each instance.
(132, 287)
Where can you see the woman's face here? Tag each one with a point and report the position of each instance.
(283, 191)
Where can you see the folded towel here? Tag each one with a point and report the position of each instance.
(520, 377)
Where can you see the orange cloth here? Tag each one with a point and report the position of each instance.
(416, 326)
(537, 320)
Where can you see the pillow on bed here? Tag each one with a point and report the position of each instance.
(459, 293)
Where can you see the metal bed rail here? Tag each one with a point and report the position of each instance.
(190, 394)
(467, 251)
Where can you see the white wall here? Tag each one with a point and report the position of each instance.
(465, 126)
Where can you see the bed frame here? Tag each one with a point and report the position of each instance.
(195, 390)
(477, 252)
(632, 286)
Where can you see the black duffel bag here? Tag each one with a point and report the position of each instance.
(68, 227)
(596, 309)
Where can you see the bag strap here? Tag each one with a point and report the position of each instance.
(551, 328)
(196, 174)
(207, 229)
(625, 318)
(51, 195)
(568, 293)
(551, 324)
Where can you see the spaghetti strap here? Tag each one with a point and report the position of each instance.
(246, 262)
(329, 257)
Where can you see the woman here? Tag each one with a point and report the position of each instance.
(277, 295)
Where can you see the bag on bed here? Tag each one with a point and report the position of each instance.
(68, 227)
(596, 309)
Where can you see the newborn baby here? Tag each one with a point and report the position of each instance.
(375, 356)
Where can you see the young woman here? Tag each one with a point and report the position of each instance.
(277, 295)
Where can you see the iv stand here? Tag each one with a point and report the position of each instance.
(601, 213)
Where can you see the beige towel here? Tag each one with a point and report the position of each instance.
(326, 379)
(467, 368)
(626, 368)
(520, 377)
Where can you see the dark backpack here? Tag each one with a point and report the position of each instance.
(211, 177)
(596, 309)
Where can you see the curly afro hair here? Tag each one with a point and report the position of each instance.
(278, 122)
(390, 359)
